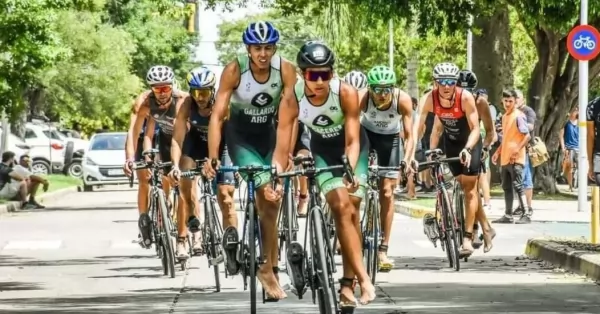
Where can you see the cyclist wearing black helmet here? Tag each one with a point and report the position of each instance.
(330, 110)
(251, 87)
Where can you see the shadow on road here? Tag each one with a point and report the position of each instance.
(16, 261)
(80, 208)
(19, 286)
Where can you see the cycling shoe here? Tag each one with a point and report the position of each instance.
(230, 245)
(145, 226)
(193, 224)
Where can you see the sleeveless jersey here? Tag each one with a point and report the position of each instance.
(198, 123)
(382, 121)
(454, 120)
(325, 122)
(253, 104)
(165, 118)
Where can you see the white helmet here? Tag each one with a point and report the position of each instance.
(356, 79)
(160, 74)
(446, 70)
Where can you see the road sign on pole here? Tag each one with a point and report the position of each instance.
(583, 42)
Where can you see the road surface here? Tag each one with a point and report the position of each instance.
(79, 258)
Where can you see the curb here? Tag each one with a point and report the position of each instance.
(410, 210)
(13, 206)
(582, 262)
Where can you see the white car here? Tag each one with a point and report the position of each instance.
(47, 147)
(103, 160)
(16, 145)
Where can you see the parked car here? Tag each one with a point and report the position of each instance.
(47, 147)
(103, 161)
(16, 145)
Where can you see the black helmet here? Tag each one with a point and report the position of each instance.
(314, 54)
(467, 79)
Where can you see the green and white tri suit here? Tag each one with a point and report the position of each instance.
(249, 133)
(328, 140)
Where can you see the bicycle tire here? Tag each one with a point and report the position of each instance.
(252, 252)
(210, 223)
(167, 233)
(459, 206)
(369, 242)
(376, 239)
(326, 287)
(292, 233)
(451, 234)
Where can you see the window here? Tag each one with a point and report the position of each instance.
(30, 134)
(52, 134)
(109, 142)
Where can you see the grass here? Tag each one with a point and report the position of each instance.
(59, 181)
(425, 202)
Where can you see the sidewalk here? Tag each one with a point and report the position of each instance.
(12, 206)
(543, 211)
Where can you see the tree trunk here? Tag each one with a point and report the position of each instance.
(553, 91)
(493, 58)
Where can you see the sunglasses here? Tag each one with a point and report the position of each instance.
(382, 90)
(446, 82)
(314, 76)
(162, 89)
(201, 93)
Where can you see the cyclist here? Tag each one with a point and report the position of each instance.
(329, 108)
(252, 85)
(356, 79)
(457, 112)
(158, 106)
(143, 183)
(201, 82)
(384, 106)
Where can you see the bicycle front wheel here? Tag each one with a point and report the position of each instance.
(326, 287)
(166, 234)
(451, 232)
(211, 226)
(252, 228)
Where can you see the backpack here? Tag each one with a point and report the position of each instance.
(538, 153)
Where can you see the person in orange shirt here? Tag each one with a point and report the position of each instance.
(512, 156)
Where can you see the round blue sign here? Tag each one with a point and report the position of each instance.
(582, 42)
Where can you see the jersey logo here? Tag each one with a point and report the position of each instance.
(261, 100)
(322, 121)
(274, 85)
(333, 108)
(373, 114)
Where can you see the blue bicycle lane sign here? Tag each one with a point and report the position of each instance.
(583, 42)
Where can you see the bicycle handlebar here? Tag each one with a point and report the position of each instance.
(313, 171)
(423, 166)
(246, 169)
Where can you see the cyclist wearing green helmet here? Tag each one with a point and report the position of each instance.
(383, 106)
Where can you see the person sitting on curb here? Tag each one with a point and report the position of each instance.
(12, 185)
(33, 181)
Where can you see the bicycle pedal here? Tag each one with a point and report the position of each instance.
(217, 260)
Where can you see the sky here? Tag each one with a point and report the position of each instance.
(209, 21)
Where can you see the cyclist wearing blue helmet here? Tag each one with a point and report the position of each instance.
(194, 146)
(251, 88)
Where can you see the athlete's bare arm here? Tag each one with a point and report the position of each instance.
(180, 128)
(405, 109)
(436, 132)
(349, 103)
(149, 135)
(470, 109)
(425, 106)
(363, 99)
(229, 80)
(288, 76)
(483, 109)
(139, 112)
(288, 118)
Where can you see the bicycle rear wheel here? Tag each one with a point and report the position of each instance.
(451, 232)
(459, 206)
(166, 234)
(252, 228)
(321, 255)
(214, 243)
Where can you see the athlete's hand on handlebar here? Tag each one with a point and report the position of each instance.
(175, 173)
(465, 157)
(273, 192)
(351, 186)
(210, 168)
(127, 168)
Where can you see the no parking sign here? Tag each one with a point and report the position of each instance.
(583, 42)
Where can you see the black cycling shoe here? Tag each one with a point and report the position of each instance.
(145, 225)
(193, 224)
(295, 258)
(230, 245)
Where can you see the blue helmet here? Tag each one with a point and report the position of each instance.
(201, 77)
(260, 33)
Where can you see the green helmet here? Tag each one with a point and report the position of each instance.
(381, 75)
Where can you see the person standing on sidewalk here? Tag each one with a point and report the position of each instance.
(512, 153)
(528, 169)
(569, 145)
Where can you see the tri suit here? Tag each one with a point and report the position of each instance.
(140, 142)
(165, 118)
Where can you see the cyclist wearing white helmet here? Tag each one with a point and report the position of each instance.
(251, 87)
(356, 79)
(194, 146)
(385, 108)
(457, 111)
(158, 105)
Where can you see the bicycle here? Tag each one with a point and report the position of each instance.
(371, 220)
(163, 231)
(445, 221)
(212, 231)
(251, 238)
(459, 206)
(320, 264)
(287, 222)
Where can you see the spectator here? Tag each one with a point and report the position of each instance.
(569, 145)
(528, 169)
(33, 181)
(512, 153)
(12, 185)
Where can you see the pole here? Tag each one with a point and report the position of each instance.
(391, 43)
(5, 132)
(595, 209)
(583, 101)
(470, 45)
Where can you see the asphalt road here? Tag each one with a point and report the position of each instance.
(79, 258)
